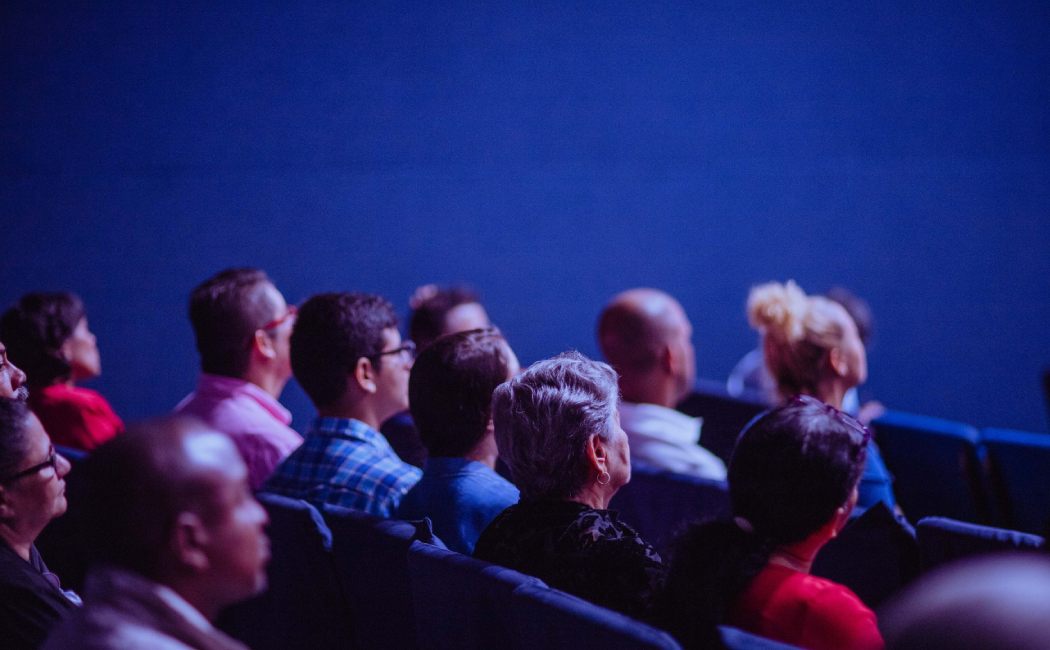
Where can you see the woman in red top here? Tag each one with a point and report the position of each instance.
(47, 335)
(793, 481)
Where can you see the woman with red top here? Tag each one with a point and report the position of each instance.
(47, 335)
(792, 482)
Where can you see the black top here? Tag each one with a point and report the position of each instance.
(30, 604)
(575, 548)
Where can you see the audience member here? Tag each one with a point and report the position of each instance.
(558, 429)
(450, 390)
(1000, 602)
(793, 481)
(348, 356)
(812, 347)
(12, 379)
(243, 325)
(435, 312)
(177, 537)
(47, 335)
(32, 493)
(646, 336)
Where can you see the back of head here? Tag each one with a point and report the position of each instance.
(797, 333)
(450, 389)
(633, 328)
(430, 308)
(334, 331)
(1000, 602)
(858, 309)
(225, 311)
(14, 434)
(134, 487)
(34, 331)
(791, 470)
(544, 417)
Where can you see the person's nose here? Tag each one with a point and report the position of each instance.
(62, 465)
(18, 377)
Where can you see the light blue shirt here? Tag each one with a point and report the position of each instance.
(461, 497)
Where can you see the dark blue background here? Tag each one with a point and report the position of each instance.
(551, 154)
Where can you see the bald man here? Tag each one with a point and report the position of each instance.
(177, 536)
(647, 338)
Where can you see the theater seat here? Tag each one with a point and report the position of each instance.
(554, 620)
(724, 416)
(942, 540)
(1019, 463)
(735, 639)
(371, 563)
(304, 606)
(657, 504)
(936, 466)
(461, 603)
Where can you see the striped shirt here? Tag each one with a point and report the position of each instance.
(346, 463)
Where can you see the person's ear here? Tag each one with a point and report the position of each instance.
(838, 361)
(189, 541)
(7, 511)
(668, 359)
(843, 512)
(365, 375)
(597, 453)
(263, 345)
(66, 349)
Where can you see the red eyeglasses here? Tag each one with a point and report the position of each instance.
(292, 312)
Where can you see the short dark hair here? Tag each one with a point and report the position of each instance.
(134, 487)
(791, 470)
(334, 331)
(34, 331)
(225, 311)
(14, 434)
(450, 389)
(429, 311)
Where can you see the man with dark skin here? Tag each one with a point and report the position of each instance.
(647, 338)
(177, 537)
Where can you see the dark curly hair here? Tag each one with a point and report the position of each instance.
(429, 311)
(334, 331)
(450, 389)
(789, 473)
(35, 329)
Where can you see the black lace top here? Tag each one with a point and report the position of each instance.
(575, 548)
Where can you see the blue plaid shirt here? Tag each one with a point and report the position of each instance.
(346, 463)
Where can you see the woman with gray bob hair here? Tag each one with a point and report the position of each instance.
(557, 428)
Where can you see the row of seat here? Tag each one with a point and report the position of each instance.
(941, 468)
(347, 580)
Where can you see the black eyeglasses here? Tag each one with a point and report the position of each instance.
(407, 349)
(52, 461)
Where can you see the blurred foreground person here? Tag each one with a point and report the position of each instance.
(812, 347)
(32, 493)
(647, 338)
(12, 379)
(243, 326)
(176, 536)
(349, 358)
(558, 429)
(47, 335)
(436, 312)
(450, 390)
(1000, 602)
(792, 482)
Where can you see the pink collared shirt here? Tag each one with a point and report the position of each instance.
(256, 422)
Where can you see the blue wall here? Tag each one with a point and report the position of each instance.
(551, 154)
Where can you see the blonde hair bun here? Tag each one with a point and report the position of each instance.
(778, 310)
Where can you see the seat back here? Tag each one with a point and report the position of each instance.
(735, 639)
(942, 540)
(304, 605)
(371, 562)
(936, 464)
(724, 416)
(1019, 465)
(657, 504)
(461, 603)
(875, 555)
(554, 620)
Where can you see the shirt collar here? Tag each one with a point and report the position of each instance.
(209, 384)
(448, 465)
(351, 429)
(669, 421)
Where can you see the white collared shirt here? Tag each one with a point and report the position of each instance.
(663, 438)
